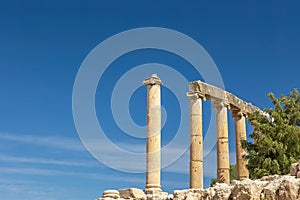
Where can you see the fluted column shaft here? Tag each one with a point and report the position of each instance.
(153, 143)
(196, 146)
(222, 142)
(240, 134)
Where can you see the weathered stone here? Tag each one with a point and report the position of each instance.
(240, 135)
(190, 196)
(180, 194)
(110, 192)
(212, 92)
(196, 144)
(222, 141)
(170, 197)
(156, 197)
(294, 169)
(287, 191)
(152, 191)
(270, 178)
(268, 194)
(269, 191)
(222, 191)
(247, 189)
(272, 187)
(134, 193)
(113, 194)
(195, 194)
(106, 198)
(153, 141)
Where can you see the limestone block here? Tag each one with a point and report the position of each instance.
(170, 197)
(190, 197)
(132, 193)
(219, 191)
(110, 192)
(111, 196)
(248, 189)
(287, 190)
(210, 91)
(270, 178)
(222, 191)
(294, 169)
(195, 194)
(268, 194)
(180, 194)
(274, 187)
(157, 197)
(114, 194)
(153, 190)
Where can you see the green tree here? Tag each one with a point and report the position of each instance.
(233, 175)
(276, 137)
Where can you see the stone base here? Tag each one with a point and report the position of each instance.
(132, 193)
(153, 190)
(113, 194)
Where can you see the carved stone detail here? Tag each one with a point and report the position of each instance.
(153, 80)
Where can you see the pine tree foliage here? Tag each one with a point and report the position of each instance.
(276, 137)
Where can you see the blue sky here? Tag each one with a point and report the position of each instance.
(255, 46)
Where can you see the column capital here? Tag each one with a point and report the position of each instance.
(195, 95)
(153, 80)
(237, 113)
(219, 103)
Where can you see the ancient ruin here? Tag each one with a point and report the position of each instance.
(272, 187)
(198, 92)
(221, 101)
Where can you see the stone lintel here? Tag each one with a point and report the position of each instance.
(218, 103)
(219, 95)
(153, 80)
(208, 90)
(195, 95)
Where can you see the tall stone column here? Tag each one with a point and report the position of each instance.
(196, 148)
(222, 141)
(153, 145)
(240, 134)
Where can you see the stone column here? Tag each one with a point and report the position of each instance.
(240, 134)
(222, 141)
(196, 148)
(153, 145)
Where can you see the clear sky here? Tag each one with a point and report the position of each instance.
(255, 46)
